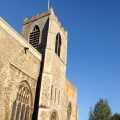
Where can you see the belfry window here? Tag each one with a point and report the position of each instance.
(34, 37)
(21, 106)
(58, 44)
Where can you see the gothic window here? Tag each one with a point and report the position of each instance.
(21, 106)
(58, 44)
(34, 37)
(69, 111)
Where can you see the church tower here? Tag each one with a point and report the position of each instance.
(45, 33)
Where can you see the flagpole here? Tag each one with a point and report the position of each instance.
(48, 4)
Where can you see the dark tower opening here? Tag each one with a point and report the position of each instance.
(34, 37)
(58, 44)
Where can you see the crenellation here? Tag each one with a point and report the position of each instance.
(38, 16)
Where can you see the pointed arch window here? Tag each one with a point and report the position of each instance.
(21, 106)
(58, 44)
(34, 37)
(69, 111)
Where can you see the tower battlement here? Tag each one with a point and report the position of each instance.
(38, 16)
(44, 14)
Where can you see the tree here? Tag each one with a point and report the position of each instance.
(91, 114)
(116, 116)
(101, 111)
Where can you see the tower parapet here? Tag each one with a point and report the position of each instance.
(47, 13)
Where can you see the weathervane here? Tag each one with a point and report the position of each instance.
(48, 4)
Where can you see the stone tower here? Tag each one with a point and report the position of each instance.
(45, 33)
(52, 45)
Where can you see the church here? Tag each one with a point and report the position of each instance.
(33, 83)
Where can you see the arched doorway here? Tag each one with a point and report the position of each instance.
(21, 108)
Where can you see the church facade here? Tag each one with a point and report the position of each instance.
(33, 84)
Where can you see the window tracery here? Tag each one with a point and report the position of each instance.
(22, 112)
(21, 106)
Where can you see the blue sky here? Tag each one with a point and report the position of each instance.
(93, 27)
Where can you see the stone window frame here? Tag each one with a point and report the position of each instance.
(69, 111)
(34, 36)
(58, 44)
(22, 104)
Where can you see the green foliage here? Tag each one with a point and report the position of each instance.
(91, 114)
(116, 116)
(101, 111)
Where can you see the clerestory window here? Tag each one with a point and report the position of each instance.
(58, 44)
(34, 37)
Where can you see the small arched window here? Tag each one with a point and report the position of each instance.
(69, 111)
(58, 44)
(34, 37)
